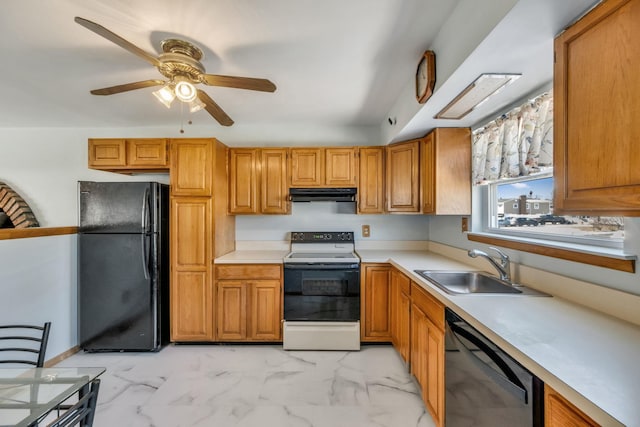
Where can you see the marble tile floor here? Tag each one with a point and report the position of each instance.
(255, 386)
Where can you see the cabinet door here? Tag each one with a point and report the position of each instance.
(273, 181)
(375, 310)
(265, 310)
(596, 105)
(400, 312)
(232, 310)
(403, 178)
(428, 173)
(434, 388)
(191, 285)
(445, 169)
(419, 333)
(147, 153)
(191, 167)
(243, 181)
(404, 326)
(558, 412)
(340, 167)
(371, 180)
(191, 313)
(307, 167)
(105, 153)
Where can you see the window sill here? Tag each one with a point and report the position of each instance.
(23, 233)
(607, 258)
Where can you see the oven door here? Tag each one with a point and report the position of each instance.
(322, 292)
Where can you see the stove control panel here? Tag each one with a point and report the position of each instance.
(321, 236)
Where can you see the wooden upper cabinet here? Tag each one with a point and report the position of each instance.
(274, 191)
(324, 167)
(403, 173)
(128, 155)
(559, 412)
(307, 167)
(147, 153)
(445, 169)
(243, 180)
(597, 105)
(258, 181)
(191, 167)
(340, 167)
(107, 153)
(371, 180)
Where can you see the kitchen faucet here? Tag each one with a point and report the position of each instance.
(503, 267)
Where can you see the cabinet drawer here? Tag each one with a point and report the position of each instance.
(431, 306)
(248, 271)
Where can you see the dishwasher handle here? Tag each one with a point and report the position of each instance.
(507, 379)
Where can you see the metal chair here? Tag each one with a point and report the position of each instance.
(26, 344)
(82, 412)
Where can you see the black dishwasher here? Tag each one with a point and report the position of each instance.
(485, 387)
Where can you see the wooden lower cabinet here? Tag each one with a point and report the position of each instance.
(375, 298)
(249, 302)
(427, 350)
(559, 412)
(191, 307)
(401, 313)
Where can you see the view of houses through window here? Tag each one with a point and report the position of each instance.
(527, 206)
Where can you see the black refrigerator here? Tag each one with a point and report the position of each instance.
(123, 266)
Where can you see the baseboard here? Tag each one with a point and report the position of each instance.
(59, 358)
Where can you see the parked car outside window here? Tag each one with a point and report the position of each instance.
(521, 222)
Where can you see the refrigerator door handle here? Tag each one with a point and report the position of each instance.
(145, 255)
(145, 211)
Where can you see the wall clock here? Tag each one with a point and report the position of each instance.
(425, 76)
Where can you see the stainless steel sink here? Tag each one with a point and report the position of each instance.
(468, 282)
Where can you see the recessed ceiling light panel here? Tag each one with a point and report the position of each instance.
(476, 94)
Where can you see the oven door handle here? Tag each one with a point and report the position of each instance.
(313, 266)
(508, 379)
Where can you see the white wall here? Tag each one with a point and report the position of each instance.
(38, 284)
(331, 216)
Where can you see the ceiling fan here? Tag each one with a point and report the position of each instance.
(180, 64)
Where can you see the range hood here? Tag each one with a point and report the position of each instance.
(322, 194)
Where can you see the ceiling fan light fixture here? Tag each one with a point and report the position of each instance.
(196, 105)
(165, 95)
(185, 91)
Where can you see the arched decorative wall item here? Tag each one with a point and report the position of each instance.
(16, 208)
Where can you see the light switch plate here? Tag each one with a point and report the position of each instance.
(465, 224)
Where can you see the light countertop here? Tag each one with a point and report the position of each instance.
(252, 257)
(587, 356)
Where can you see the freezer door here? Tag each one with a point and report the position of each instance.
(116, 207)
(118, 292)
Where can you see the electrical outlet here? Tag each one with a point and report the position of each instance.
(465, 224)
(366, 231)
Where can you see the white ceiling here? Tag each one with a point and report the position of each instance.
(334, 62)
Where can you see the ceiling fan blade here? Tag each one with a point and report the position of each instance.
(102, 31)
(214, 109)
(127, 87)
(249, 83)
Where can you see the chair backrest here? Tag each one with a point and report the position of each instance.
(83, 412)
(25, 344)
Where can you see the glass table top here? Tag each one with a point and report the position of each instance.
(26, 394)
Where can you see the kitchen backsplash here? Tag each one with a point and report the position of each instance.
(331, 216)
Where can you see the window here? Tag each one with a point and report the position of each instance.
(533, 216)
